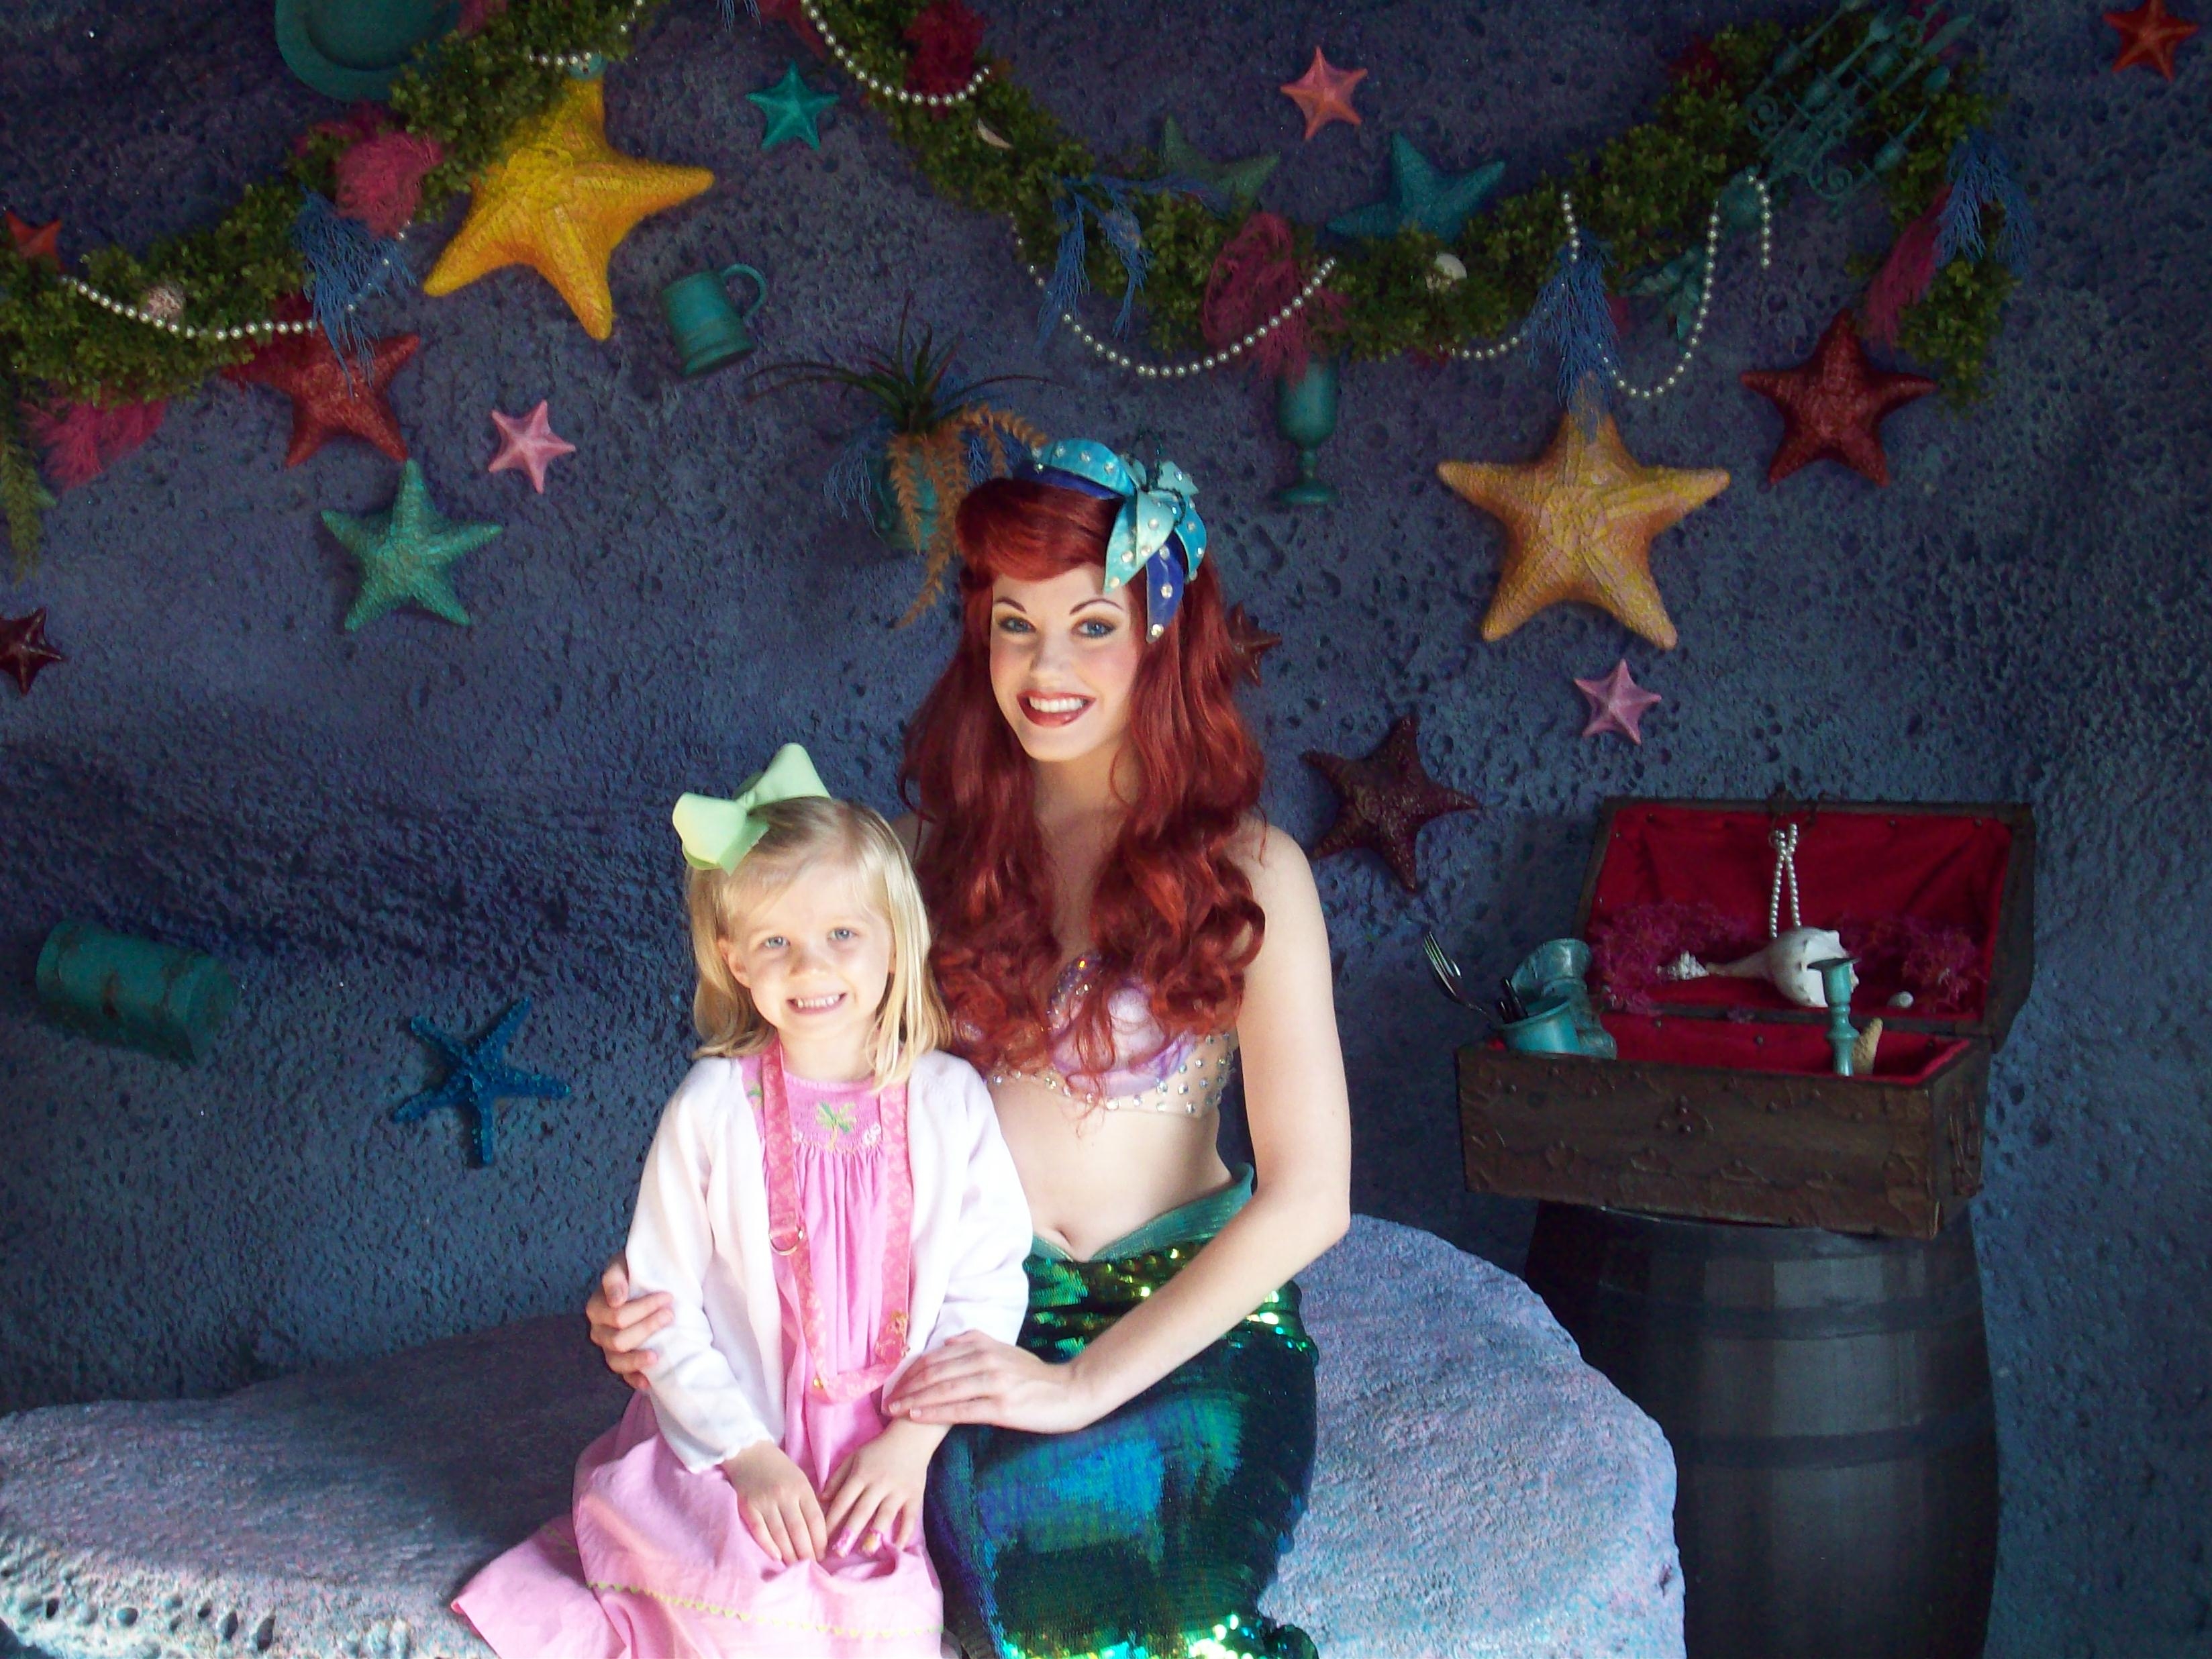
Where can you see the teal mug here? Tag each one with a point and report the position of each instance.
(1548, 1029)
(161, 998)
(709, 330)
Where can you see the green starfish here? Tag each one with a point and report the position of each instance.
(1238, 180)
(1438, 202)
(403, 552)
(791, 106)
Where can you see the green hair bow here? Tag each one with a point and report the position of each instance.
(717, 834)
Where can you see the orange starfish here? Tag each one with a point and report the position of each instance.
(1324, 93)
(2149, 35)
(1578, 525)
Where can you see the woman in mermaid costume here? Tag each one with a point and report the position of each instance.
(1114, 925)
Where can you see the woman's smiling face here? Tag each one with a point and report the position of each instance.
(1064, 655)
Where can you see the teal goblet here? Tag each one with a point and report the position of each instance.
(1305, 414)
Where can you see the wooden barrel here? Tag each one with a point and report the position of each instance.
(1828, 1400)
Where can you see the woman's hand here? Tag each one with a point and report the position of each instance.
(777, 1505)
(874, 1497)
(621, 1325)
(975, 1378)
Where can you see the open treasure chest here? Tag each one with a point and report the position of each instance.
(1725, 1100)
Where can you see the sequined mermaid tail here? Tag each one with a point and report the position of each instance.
(1152, 1531)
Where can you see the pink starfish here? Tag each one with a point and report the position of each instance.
(1324, 93)
(1616, 703)
(527, 443)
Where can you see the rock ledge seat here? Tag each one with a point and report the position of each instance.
(1479, 1493)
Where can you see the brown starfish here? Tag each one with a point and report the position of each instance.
(1387, 799)
(1250, 641)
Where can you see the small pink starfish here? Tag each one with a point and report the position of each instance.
(1616, 703)
(527, 443)
(1324, 93)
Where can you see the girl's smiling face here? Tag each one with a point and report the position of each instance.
(1064, 657)
(815, 957)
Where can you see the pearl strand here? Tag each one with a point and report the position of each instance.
(1212, 360)
(185, 331)
(1696, 334)
(1784, 842)
(851, 65)
(586, 62)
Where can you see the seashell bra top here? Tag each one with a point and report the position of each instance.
(1181, 1077)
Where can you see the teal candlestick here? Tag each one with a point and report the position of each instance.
(1305, 414)
(1837, 979)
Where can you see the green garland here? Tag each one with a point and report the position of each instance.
(1644, 194)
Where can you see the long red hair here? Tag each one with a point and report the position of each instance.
(1173, 911)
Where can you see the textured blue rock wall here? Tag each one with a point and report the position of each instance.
(423, 820)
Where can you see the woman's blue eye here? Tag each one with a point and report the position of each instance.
(1012, 625)
(1094, 630)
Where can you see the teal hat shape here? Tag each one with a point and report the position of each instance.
(355, 49)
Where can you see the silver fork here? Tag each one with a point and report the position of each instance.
(1446, 972)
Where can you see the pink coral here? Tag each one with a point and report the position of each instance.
(81, 441)
(1254, 276)
(381, 178)
(361, 121)
(1627, 950)
(1939, 963)
(1905, 275)
(944, 38)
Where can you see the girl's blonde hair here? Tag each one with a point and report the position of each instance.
(802, 835)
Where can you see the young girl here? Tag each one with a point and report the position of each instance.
(826, 1198)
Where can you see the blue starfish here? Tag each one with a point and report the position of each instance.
(477, 1079)
(792, 107)
(1439, 203)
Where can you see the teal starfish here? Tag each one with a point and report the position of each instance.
(403, 552)
(792, 107)
(1240, 181)
(477, 1079)
(1438, 202)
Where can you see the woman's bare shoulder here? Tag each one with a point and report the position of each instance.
(1272, 861)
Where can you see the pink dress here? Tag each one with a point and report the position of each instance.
(655, 1561)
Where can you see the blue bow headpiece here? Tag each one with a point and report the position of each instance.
(1157, 530)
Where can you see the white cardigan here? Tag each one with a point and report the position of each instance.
(700, 1233)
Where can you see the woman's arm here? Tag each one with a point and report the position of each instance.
(1301, 1126)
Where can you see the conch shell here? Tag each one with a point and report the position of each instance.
(1786, 963)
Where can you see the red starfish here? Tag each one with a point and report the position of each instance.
(1387, 799)
(325, 402)
(2149, 35)
(1250, 642)
(1833, 403)
(23, 648)
(34, 242)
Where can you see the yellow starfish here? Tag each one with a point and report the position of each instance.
(559, 200)
(1578, 525)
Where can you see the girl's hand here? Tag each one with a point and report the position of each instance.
(621, 1325)
(975, 1378)
(875, 1495)
(778, 1506)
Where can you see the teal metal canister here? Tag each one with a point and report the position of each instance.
(162, 999)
